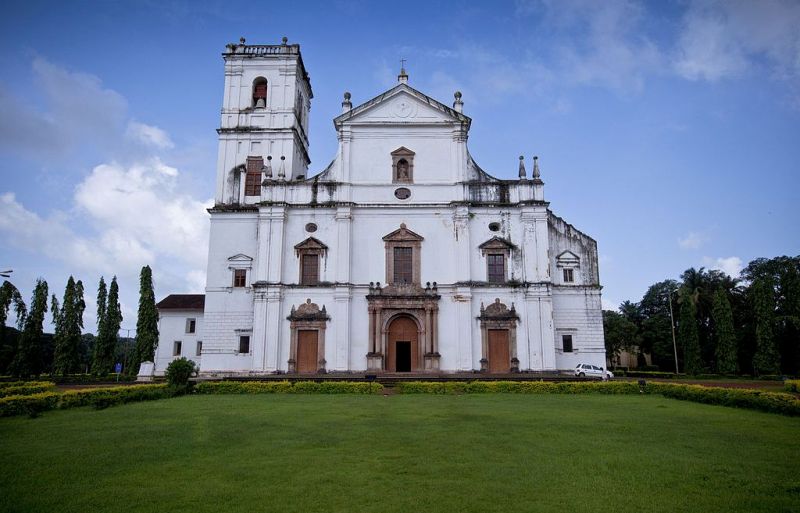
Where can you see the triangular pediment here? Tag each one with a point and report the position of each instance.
(240, 257)
(402, 234)
(402, 151)
(402, 104)
(568, 258)
(311, 243)
(497, 243)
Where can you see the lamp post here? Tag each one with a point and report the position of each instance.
(672, 325)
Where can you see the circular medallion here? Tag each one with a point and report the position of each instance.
(403, 108)
(311, 227)
(402, 193)
(494, 227)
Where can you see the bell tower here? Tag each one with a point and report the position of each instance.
(263, 129)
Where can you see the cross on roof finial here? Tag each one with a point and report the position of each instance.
(403, 76)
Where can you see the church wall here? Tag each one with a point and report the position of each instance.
(171, 328)
(228, 310)
(577, 312)
(371, 160)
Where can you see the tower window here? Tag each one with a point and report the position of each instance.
(240, 277)
(176, 348)
(191, 325)
(252, 182)
(244, 344)
(260, 93)
(569, 276)
(309, 271)
(403, 269)
(496, 268)
(566, 343)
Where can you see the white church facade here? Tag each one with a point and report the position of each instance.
(402, 255)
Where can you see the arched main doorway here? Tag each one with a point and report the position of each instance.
(402, 353)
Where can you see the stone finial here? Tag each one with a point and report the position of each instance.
(402, 226)
(268, 167)
(458, 105)
(284, 40)
(241, 40)
(282, 168)
(522, 175)
(347, 104)
(535, 167)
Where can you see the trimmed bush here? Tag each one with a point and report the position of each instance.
(286, 387)
(179, 371)
(792, 385)
(96, 397)
(772, 402)
(26, 388)
(517, 387)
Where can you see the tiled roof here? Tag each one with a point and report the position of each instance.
(182, 302)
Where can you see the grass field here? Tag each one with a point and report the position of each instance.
(315, 453)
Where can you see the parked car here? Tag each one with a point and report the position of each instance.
(592, 371)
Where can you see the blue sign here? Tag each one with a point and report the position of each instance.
(118, 368)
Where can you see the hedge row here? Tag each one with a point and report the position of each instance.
(285, 387)
(96, 397)
(792, 385)
(517, 387)
(26, 388)
(772, 402)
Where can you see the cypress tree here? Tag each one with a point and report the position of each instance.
(68, 322)
(104, 344)
(724, 335)
(146, 323)
(688, 333)
(766, 360)
(9, 294)
(28, 360)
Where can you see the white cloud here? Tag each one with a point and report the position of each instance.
(731, 266)
(724, 39)
(692, 240)
(136, 216)
(149, 135)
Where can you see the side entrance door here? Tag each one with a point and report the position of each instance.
(307, 344)
(499, 356)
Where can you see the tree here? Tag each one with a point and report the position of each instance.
(109, 318)
(146, 323)
(9, 336)
(783, 273)
(68, 322)
(29, 360)
(766, 359)
(655, 328)
(724, 335)
(620, 334)
(688, 333)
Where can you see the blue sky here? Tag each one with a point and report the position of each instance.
(669, 132)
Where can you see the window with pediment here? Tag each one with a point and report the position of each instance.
(403, 253)
(402, 165)
(497, 252)
(310, 253)
(569, 263)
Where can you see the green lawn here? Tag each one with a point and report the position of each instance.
(413, 453)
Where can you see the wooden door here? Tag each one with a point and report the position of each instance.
(307, 344)
(499, 357)
(402, 329)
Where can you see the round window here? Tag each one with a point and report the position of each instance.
(402, 193)
(495, 227)
(311, 227)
